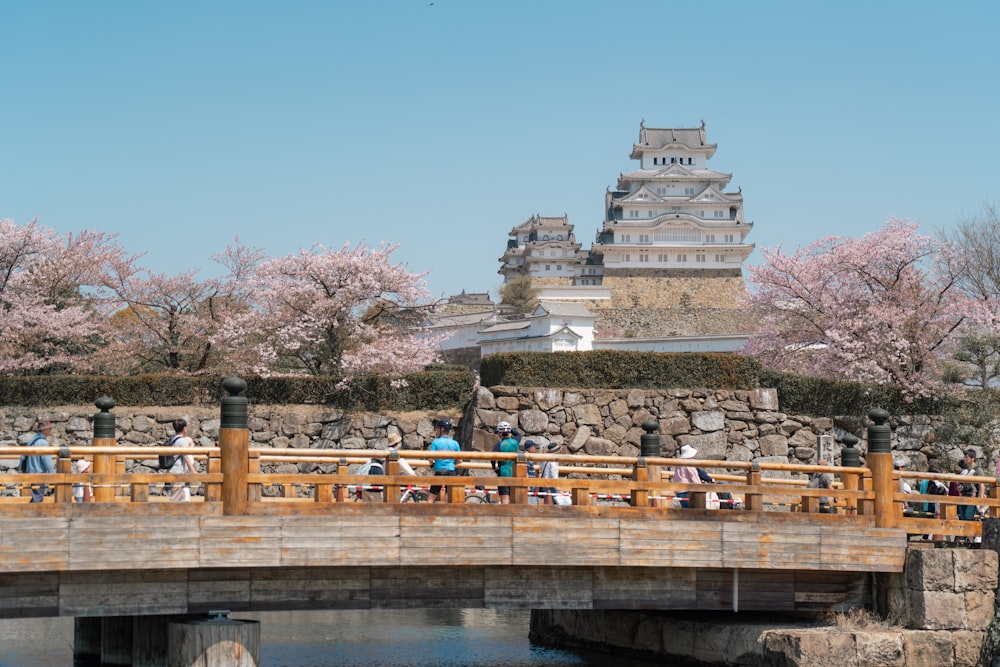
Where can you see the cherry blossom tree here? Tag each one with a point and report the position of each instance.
(169, 323)
(332, 312)
(884, 308)
(52, 305)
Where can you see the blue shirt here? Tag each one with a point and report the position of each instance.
(507, 445)
(444, 443)
(37, 463)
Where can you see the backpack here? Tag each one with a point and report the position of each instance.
(167, 461)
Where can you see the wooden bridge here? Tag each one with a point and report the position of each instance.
(254, 540)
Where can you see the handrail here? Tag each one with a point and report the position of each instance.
(646, 482)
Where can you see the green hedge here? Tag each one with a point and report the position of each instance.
(798, 394)
(423, 390)
(612, 369)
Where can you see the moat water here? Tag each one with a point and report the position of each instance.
(379, 638)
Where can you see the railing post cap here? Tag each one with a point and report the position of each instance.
(879, 416)
(849, 440)
(105, 403)
(234, 385)
(650, 426)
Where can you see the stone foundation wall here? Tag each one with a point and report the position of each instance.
(699, 290)
(937, 613)
(721, 425)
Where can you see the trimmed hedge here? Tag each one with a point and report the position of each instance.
(612, 369)
(798, 394)
(423, 390)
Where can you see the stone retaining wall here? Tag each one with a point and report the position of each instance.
(938, 610)
(721, 425)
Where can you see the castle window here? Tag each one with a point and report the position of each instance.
(643, 258)
(673, 160)
(689, 191)
(699, 258)
(650, 214)
(628, 257)
(661, 258)
(656, 160)
(558, 267)
(720, 258)
(709, 238)
(690, 161)
(633, 214)
(643, 238)
(730, 238)
(548, 267)
(682, 258)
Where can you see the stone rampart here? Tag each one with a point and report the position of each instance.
(721, 425)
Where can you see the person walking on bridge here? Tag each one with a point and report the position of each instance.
(443, 442)
(39, 463)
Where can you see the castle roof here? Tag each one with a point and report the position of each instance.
(658, 138)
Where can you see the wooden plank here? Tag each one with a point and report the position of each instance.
(310, 588)
(38, 544)
(539, 588)
(120, 593)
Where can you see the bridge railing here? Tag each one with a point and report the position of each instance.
(587, 480)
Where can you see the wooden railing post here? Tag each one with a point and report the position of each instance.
(213, 492)
(879, 461)
(640, 497)
(580, 496)
(754, 501)
(391, 492)
(852, 482)
(64, 465)
(234, 448)
(104, 436)
(519, 494)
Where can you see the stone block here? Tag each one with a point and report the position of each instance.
(546, 399)
(936, 610)
(588, 414)
(709, 421)
(508, 403)
(763, 399)
(579, 438)
(930, 569)
(880, 648)
(599, 447)
(975, 570)
(709, 445)
(675, 425)
(774, 445)
(618, 408)
(979, 609)
(808, 648)
(928, 648)
(967, 644)
(533, 421)
(485, 399)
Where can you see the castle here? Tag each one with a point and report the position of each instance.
(668, 258)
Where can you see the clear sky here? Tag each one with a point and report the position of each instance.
(441, 125)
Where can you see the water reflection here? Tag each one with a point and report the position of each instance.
(363, 638)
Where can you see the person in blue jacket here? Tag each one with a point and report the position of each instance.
(39, 463)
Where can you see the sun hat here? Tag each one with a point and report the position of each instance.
(554, 447)
(82, 465)
(688, 452)
(394, 439)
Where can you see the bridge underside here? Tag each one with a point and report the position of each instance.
(152, 592)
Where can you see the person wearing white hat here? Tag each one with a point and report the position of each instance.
(81, 492)
(686, 474)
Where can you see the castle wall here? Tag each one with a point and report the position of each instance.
(665, 288)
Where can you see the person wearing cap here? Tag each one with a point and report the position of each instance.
(531, 447)
(442, 467)
(550, 470)
(505, 468)
(39, 463)
(686, 474)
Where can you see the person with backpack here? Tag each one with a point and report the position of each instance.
(39, 463)
(183, 463)
(505, 468)
(969, 490)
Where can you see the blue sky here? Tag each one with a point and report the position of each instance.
(441, 125)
